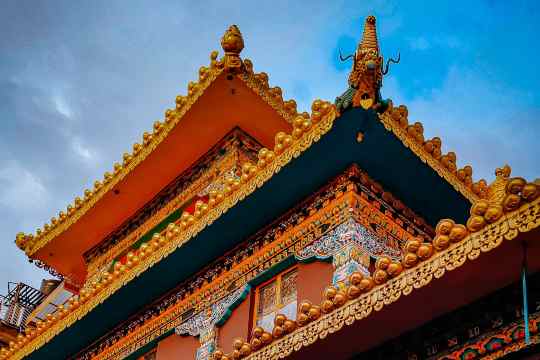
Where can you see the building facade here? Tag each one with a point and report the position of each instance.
(241, 228)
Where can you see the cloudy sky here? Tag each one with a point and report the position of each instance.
(81, 81)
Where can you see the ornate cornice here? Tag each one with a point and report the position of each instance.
(180, 191)
(507, 227)
(258, 82)
(510, 339)
(520, 345)
(287, 147)
(412, 136)
(32, 243)
(334, 213)
(349, 200)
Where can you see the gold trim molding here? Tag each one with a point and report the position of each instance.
(508, 227)
(258, 82)
(286, 149)
(417, 145)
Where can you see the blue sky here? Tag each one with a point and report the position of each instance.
(81, 81)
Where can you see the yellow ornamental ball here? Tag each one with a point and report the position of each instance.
(316, 117)
(530, 192)
(270, 156)
(493, 213)
(444, 226)
(262, 153)
(280, 136)
(287, 141)
(316, 105)
(297, 133)
(297, 122)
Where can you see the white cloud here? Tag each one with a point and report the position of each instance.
(62, 107)
(83, 151)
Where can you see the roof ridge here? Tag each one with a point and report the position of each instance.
(395, 120)
(306, 131)
(232, 44)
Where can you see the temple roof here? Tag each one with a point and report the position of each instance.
(238, 97)
(301, 152)
(509, 217)
(365, 83)
(83, 220)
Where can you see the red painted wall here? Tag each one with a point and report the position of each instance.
(312, 279)
(236, 326)
(177, 347)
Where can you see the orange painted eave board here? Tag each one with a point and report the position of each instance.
(226, 104)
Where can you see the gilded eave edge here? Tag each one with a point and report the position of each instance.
(344, 206)
(207, 75)
(417, 146)
(270, 162)
(508, 227)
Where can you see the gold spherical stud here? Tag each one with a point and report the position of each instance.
(237, 343)
(287, 141)
(304, 307)
(444, 226)
(270, 157)
(330, 292)
(256, 344)
(289, 326)
(279, 319)
(217, 355)
(380, 277)
(493, 213)
(480, 207)
(266, 338)
(257, 332)
(314, 312)
(458, 233)
(245, 349)
(327, 306)
(394, 269)
(409, 260)
(353, 292)
(278, 332)
(425, 251)
(530, 192)
(476, 223)
(383, 262)
(412, 245)
(355, 278)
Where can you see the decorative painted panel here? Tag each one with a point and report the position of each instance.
(351, 246)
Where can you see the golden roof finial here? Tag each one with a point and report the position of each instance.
(232, 43)
(369, 38)
(367, 71)
(496, 190)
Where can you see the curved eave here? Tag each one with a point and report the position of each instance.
(457, 276)
(211, 116)
(418, 149)
(300, 171)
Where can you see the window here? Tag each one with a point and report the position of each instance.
(277, 296)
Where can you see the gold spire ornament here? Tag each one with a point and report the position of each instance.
(368, 70)
(232, 43)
